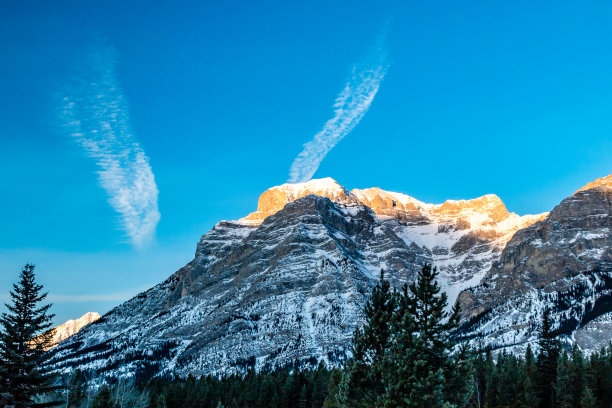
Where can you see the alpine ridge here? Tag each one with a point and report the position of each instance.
(72, 327)
(286, 284)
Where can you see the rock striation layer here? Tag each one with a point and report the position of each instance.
(286, 285)
(562, 263)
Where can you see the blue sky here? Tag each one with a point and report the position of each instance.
(510, 98)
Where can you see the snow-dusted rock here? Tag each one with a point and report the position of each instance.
(288, 282)
(562, 263)
(72, 327)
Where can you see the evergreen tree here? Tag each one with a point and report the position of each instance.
(508, 380)
(24, 338)
(420, 370)
(77, 389)
(158, 401)
(331, 401)
(361, 384)
(303, 399)
(480, 377)
(577, 377)
(547, 362)
(490, 380)
(530, 394)
(104, 398)
(320, 383)
(588, 400)
(563, 385)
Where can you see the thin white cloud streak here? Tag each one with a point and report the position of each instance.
(84, 298)
(95, 113)
(350, 106)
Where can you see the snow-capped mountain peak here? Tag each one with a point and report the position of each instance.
(600, 183)
(275, 198)
(288, 283)
(72, 327)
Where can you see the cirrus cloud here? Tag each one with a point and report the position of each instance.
(350, 106)
(95, 113)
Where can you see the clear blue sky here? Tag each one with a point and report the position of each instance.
(512, 98)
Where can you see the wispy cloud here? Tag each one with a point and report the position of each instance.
(95, 297)
(85, 298)
(350, 106)
(95, 113)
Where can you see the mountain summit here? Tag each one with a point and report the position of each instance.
(72, 327)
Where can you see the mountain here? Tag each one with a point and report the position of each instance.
(71, 327)
(562, 263)
(286, 284)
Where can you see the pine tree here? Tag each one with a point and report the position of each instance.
(303, 399)
(158, 401)
(361, 384)
(577, 376)
(24, 338)
(563, 385)
(531, 380)
(588, 400)
(77, 389)
(420, 371)
(104, 398)
(331, 401)
(547, 362)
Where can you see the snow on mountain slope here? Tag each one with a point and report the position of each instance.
(289, 290)
(461, 237)
(71, 327)
(275, 198)
(286, 285)
(562, 263)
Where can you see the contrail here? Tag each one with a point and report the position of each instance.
(95, 113)
(350, 106)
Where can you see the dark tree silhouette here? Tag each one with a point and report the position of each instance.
(24, 338)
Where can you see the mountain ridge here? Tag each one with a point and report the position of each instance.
(287, 285)
(72, 327)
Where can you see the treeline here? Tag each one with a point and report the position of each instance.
(507, 381)
(403, 356)
(573, 382)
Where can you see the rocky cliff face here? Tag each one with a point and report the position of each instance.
(291, 289)
(287, 283)
(562, 263)
(462, 238)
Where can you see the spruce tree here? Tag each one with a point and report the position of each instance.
(588, 399)
(24, 338)
(104, 398)
(361, 384)
(420, 370)
(563, 384)
(76, 389)
(547, 362)
(331, 401)
(577, 376)
(531, 396)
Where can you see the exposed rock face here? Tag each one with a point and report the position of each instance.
(462, 238)
(274, 199)
(71, 327)
(291, 289)
(600, 183)
(563, 263)
(288, 282)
